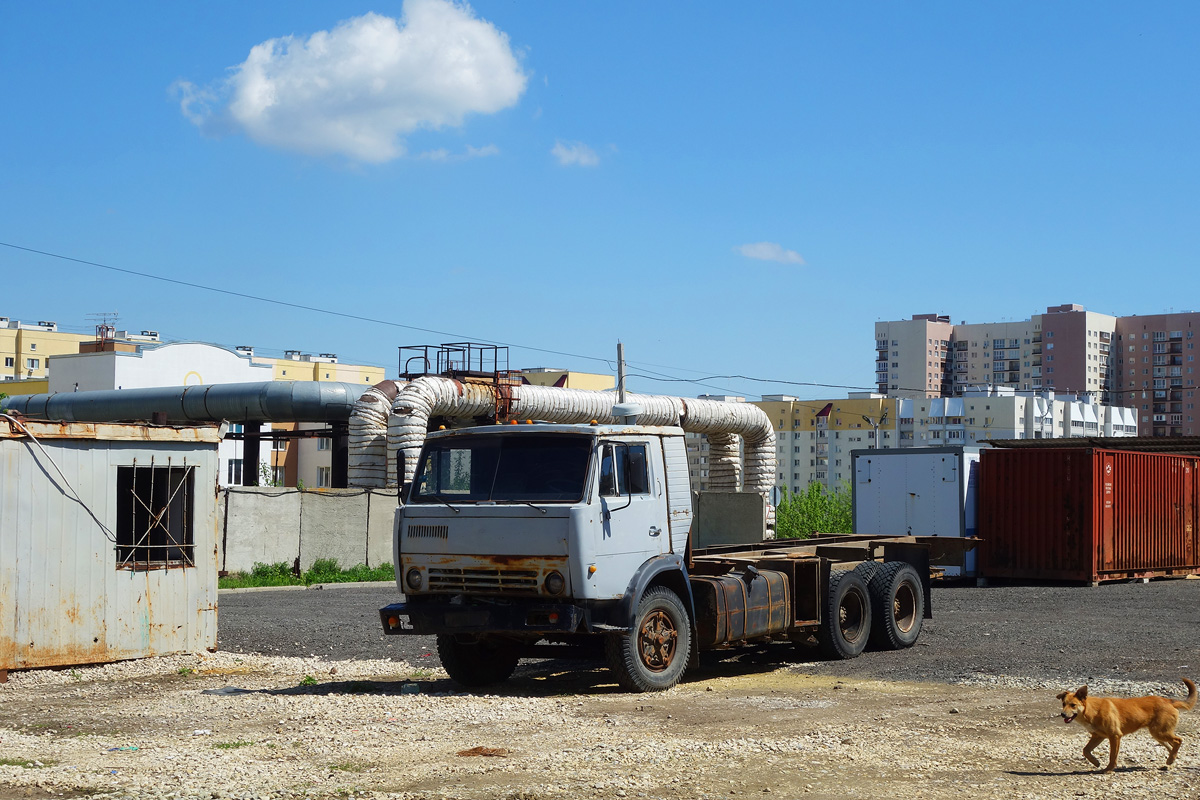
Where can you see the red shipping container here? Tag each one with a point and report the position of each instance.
(1082, 514)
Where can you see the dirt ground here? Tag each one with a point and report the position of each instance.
(323, 705)
(311, 727)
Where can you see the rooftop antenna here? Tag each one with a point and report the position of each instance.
(106, 324)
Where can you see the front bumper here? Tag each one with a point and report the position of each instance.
(445, 616)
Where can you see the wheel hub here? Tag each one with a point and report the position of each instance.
(657, 638)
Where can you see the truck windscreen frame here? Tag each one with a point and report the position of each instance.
(507, 468)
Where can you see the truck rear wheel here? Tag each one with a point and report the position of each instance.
(846, 625)
(652, 656)
(898, 601)
(478, 662)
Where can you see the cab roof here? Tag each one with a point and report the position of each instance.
(561, 428)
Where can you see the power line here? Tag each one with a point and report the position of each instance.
(660, 377)
(288, 304)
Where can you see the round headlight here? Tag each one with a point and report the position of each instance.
(413, 578)
(555, 583)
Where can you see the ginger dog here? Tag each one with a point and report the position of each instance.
(1113, 717)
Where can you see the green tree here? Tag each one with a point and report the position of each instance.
(816, 510)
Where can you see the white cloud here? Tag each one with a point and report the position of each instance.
(442, 154)
(359, 88)
(769, 251)
(575, 153)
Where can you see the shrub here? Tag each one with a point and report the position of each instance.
(799, 516)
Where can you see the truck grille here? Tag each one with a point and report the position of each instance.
(428, 531)
(502, 581)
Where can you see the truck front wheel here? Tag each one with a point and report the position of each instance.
(478, 662)
(652, 656)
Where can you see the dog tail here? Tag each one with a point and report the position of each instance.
(1186, 705)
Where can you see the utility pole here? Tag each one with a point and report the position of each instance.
(620, 372)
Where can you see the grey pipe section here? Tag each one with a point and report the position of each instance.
(265, 401)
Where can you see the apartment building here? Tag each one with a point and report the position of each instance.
(698, 450)
(912, 357)
(1145, 362)
(26, 348)
(815, 437)
(1155, 368)
(1067, 349)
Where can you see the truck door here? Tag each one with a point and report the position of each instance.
(632, 500)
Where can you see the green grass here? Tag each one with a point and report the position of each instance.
(308, 680)
(186, 671)
(324, 570)
(231, 745)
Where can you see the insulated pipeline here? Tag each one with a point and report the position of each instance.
(428, 397)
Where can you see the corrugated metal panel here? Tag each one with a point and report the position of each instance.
(63, 599)
(679, 503)
(1088, 515)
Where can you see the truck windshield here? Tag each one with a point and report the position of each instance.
(516, 468)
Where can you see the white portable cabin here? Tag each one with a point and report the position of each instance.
(919, 491)
(108, 542)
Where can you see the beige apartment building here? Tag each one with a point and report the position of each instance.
(816, 437)
(26, 348)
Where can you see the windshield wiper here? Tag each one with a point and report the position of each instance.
(443, 501)
(524, 503)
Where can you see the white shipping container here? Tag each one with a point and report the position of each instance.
(108, 542)
(922, 491)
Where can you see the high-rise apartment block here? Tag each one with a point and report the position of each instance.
(1068, 349)
(1142, 362)
(1156, 371)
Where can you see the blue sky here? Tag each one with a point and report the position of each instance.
(727, 189)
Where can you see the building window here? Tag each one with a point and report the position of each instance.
(8, 362)
(33, 363)
(277, 476)
(323, 443)
(154, 517)
(235, 472)
(32, 346)
(323, 477)
(279, 444)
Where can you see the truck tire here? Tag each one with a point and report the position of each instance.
(653, 655)
(846, 625)
(482, 662)
(898, 605)
(868, 570)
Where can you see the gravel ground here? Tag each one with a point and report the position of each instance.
(317, 709)
(1117, 632)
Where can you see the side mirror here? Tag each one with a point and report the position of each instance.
(400, 473)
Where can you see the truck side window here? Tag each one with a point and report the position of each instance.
(608, 472)
(623, 470)
(636, 475)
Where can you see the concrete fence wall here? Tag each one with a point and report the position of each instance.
(268, 525)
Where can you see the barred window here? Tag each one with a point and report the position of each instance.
(155, 517)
